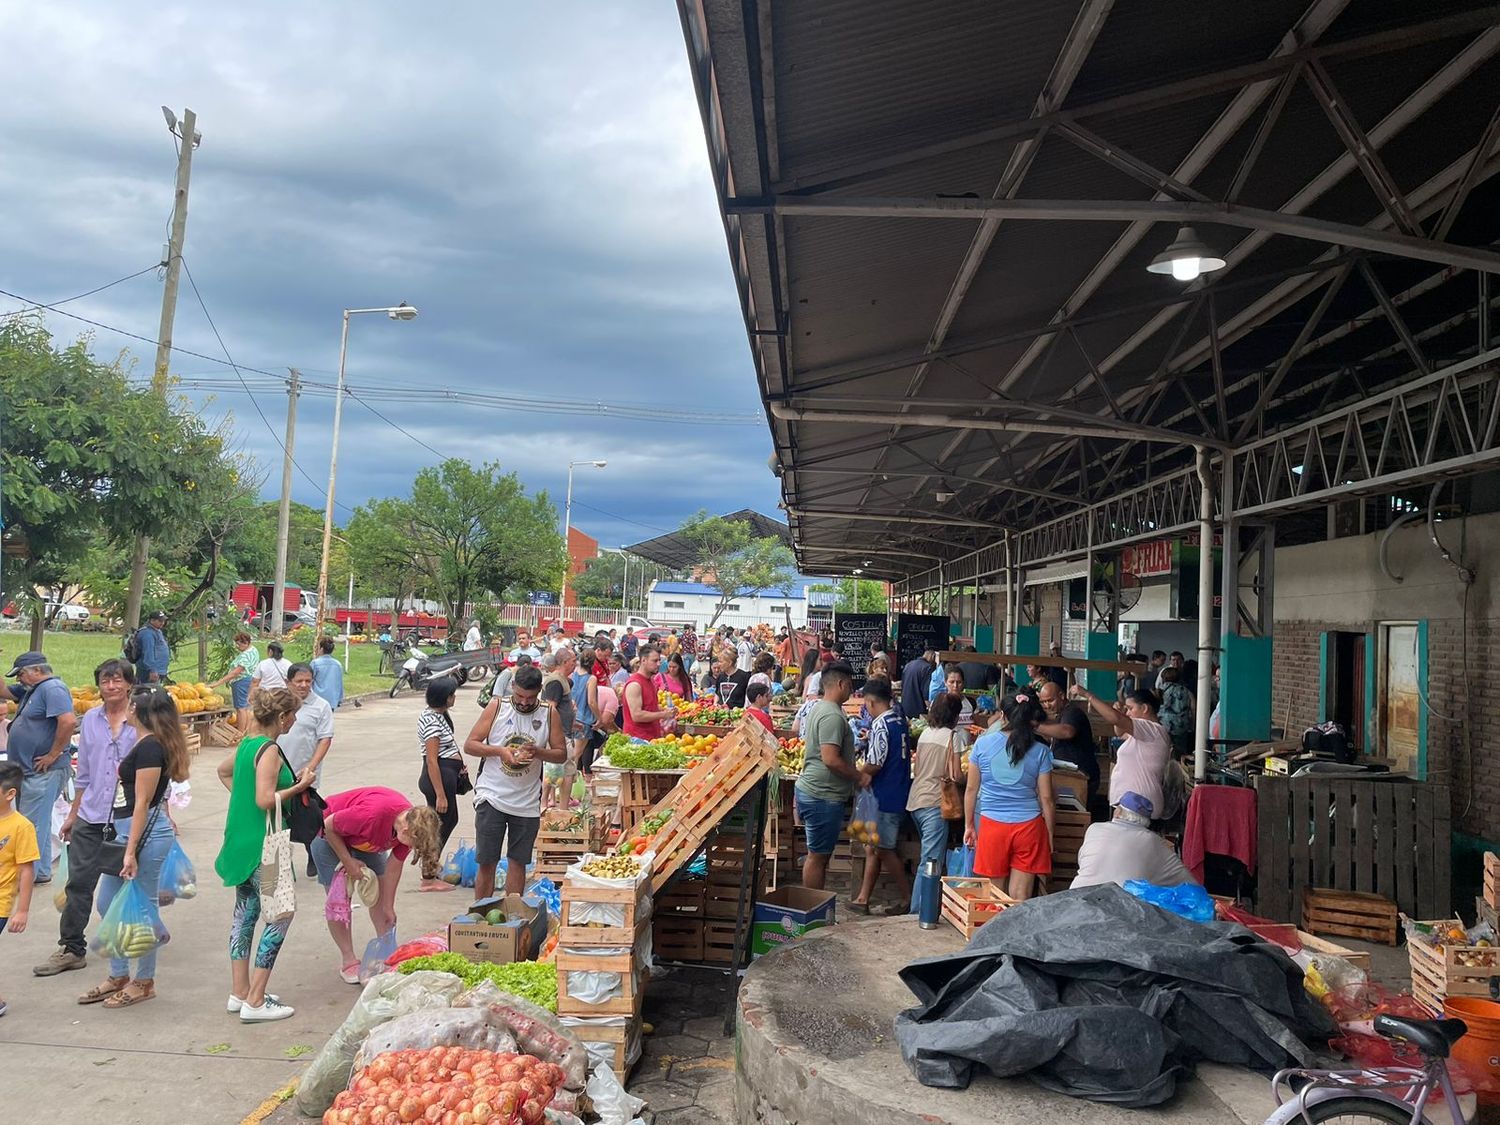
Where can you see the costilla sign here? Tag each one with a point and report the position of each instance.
(1147, 560)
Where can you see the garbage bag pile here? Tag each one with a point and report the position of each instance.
(1097, 994)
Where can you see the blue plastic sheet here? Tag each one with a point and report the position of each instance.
(1188, 901)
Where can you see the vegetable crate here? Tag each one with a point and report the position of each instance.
(1492, 880)
(557, 848)
(707, 794)
(641, 791)
(677, 939)
(1349, 914)
(968, 904)
(632, 980)
(635, 902)
(1451, 969)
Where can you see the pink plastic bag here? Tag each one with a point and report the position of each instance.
(336, 906)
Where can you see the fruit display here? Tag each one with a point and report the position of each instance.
(790, 755)
(1471, 949)
(612, 867)
(194, 698)
(707, 711)
(450, 1086)
(693, 745)
(531, 980)
(639, 842)
(647, 756)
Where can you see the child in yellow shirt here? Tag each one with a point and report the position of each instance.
(18, 856)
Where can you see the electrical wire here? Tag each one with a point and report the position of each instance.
(269, 428)
(101, 288)
(393, 425)
(623, 519)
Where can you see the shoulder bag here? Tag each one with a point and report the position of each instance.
(952, 799)
(278, 892)
(304, 810)
(111, 854)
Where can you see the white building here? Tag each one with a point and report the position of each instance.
(678, 603)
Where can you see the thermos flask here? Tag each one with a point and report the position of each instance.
(929, 888)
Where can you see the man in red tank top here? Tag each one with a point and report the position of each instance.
(640, 712)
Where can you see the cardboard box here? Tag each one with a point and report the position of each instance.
(519, 938)
(788, 913)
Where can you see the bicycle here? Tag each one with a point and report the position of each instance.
(1389, 1095)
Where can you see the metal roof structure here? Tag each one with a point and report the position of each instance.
(670, 550)
(939, 215)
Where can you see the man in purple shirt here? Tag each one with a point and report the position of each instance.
(104, 739)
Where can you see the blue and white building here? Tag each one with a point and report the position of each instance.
(678, 603)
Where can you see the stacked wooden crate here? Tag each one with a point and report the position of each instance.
(640, 790)
(677, 921)
(1448, 966)
(1492, 880)
(564, 838)
(1068, 828)
(612, 1026)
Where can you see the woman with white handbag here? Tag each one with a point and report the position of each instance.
(256, 859)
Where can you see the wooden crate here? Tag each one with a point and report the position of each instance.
(219, 733)
(194, 741)
(1349, 914)
(616, 1042)
(632, 979)
(634, 902)
(1312, 943)
(640, 791)
(677, 939)
(718, 942)
(1438, 972)
(558, 848)
(683, 899)
(1069, 827)
(707, 793)
(969, 903)
(1492, 880)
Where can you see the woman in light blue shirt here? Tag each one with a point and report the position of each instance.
(1010, 782)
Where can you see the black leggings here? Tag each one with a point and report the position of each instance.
(449, 769)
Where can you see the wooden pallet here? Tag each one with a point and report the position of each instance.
(1438, 972)
(632, 980)
(1349, 914)
(677, 939)
(707, 793)
(634, 901)
(969, 903)
(1492, 880)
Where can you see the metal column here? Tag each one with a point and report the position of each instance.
(1205, 608)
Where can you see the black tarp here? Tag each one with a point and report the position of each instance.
(1097, 994)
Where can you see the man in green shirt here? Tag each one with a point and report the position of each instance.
(828, 776)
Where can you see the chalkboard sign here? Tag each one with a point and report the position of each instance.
(854, 633)
(915, 634)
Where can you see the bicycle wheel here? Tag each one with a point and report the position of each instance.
(1358, 1111)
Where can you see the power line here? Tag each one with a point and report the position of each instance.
(111, 285)
(623, 519)
(393, 425)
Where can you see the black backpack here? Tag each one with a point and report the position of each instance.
(132, 647)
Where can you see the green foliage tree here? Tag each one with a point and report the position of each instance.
(602, 582)
(728, 554)
(381, 551)
(871, 598)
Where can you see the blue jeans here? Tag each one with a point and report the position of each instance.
(822, 820)
(934, 830)
(39, 792)
(154, 848)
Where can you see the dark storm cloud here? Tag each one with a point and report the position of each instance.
(533, 179)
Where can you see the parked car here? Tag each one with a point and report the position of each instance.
(289, 620)
(67, 612)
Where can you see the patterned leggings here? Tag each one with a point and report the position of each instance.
(242, 928)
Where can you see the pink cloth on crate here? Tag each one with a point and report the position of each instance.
(1220, 821)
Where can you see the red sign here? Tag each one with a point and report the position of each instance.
(1147, 560)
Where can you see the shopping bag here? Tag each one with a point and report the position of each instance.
(178, 879)
(278, 893)
(961, 862)
(468, 864)
(372, 964)
(131, 927)
(452, 871)
(864, 825)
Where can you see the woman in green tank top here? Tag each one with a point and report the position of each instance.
(258, 779)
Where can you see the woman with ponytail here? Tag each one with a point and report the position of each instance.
(1010, 783)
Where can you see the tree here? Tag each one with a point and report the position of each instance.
(728, 554)
(471, 530)
(90, 458)
(871, 598)
(381, 552)
(602, 581)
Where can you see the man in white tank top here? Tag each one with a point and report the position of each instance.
(512, 739)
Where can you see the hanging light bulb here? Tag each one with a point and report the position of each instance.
(1187, 258)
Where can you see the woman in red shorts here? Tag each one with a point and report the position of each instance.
(1010, 779)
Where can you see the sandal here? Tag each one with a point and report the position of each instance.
(136, 992)
(104, 991)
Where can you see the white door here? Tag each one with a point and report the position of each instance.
(1400, 704)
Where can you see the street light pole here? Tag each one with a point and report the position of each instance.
(625, 581)
(402, 311)
(562, 603)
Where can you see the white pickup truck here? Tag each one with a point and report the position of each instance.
(641, 626)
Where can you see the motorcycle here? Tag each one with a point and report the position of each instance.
(419, 669)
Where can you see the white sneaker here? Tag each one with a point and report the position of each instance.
(236, 1003)
(272, 1009)
(350, 975)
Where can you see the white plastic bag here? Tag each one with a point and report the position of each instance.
(386, 997)
(613, 1105)
(601, 913)
(180, 794)
(472, 1028)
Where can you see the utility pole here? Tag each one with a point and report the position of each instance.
(284, 515)
(190, 139)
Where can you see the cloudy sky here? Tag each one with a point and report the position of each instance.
(532, 177)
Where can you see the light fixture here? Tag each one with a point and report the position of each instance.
(943, 493)
(403, 311)
(1187, 257)
(600, 464)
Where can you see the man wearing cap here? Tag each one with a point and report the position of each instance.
(38, 742)
(156, 653)
(1125, 848)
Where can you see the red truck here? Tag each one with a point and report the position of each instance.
(298, 607)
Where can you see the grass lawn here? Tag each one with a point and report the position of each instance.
(74, 656)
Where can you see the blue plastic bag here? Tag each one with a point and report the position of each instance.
(468, 864)
(1189, 900)
(545, 891)
(453, 868)
(132, 927)
(372, 964)
(178, 879)
(961, 862)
